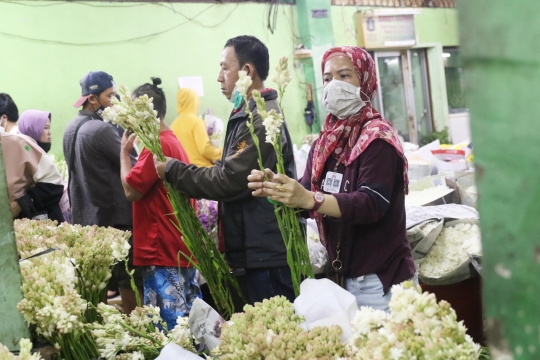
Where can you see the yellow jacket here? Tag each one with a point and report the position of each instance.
(191, 130)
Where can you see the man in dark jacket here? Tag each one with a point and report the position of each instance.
(250, 230)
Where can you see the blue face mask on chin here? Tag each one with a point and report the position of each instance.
(236, 99)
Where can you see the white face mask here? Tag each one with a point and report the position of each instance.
(342, 99)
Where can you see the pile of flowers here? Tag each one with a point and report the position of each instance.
(451, 249)
(269, 330)
(52, 306)
(141, 335)
(25, 352)
(65, 270)
(61, 165)
(138, 116)
(288, 219)
(417, 328)
(94, 251)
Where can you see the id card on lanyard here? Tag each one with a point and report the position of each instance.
(332, 182)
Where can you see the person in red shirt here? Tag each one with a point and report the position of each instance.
(157, 241)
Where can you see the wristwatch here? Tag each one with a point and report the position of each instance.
(319, 199)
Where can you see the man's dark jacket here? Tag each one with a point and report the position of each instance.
(251, 234)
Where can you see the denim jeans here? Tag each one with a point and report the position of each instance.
(265, 283)
(368, 291)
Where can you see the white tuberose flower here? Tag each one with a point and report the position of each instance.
(272, 123)
(243, 83)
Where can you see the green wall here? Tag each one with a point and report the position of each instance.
(46, 76)
(432, 25)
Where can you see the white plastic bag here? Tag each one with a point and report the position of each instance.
(317, 252)
(205, 323)
(172, 351)
(324, 303)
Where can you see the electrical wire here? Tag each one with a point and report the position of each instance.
(272, 15)
(56, 3)
(114, 42)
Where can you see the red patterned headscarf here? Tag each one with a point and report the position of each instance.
(346, 139)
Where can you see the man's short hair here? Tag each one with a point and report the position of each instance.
(8, 108)
(251, 50)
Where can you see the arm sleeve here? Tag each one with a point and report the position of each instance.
(143, 176)
(306, 179)
(110, 142)
(202, 140)
(369, 202)
(227, 182)
(49, 186)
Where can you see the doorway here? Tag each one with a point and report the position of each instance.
(404, 97)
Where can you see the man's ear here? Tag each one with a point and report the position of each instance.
(250, 69)
(93, 99)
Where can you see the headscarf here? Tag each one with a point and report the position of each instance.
(346, 139)
(32, 123)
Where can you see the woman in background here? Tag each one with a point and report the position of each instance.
(37, 125)
(191, 130)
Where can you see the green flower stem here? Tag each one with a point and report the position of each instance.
(290, 227)
(139, 333)
(132, 283)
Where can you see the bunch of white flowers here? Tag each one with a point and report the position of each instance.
(450, 250)
(25, 352)
(94, 251)
(244, 83)
(289, 224)
(272, 123)
(141, 335)
(269, 330)
(417, 328)
(136, 114)
(51, 304)
(282, 77)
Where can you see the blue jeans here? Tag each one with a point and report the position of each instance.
(368, 291)
(171, 291)
(265, 283)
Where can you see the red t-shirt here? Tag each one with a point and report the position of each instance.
(156, 239)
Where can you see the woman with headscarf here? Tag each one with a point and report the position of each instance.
(37, 125)
(354, 184)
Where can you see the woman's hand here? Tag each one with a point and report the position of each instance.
(280, 188)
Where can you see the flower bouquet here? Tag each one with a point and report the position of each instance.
(291, 229)
(214, 129)
(141, 335)
(138, 115)
(207, 213)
